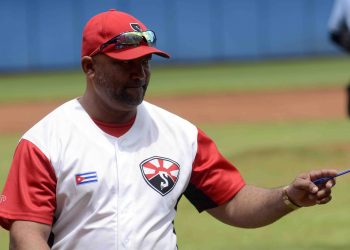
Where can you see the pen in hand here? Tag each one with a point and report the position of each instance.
(324, 179)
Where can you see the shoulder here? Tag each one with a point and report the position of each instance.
(168, 123)
(160, 113)
(57, 117)
(56, 122)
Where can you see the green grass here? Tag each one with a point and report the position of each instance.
(257, 76)
(7, 147)
(268, 155)
(186, 80)
(41, 86)
(251, 136)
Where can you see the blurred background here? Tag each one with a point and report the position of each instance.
(41, 35)
(261, 77)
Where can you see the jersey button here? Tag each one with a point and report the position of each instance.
(126, 242)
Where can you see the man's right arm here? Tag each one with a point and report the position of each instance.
(29, 200)
(28, 235)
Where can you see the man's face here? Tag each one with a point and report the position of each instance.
(121, 85)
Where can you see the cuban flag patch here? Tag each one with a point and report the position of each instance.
(84, 178)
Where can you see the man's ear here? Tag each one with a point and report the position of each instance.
(87, 64)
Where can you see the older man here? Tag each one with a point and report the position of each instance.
(106, 170)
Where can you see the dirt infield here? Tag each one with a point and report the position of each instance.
(218, 108)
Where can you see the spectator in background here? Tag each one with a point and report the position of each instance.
(339, 31)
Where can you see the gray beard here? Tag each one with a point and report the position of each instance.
(128, 99)
(120, 95)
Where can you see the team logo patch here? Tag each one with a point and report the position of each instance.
(84, 178)
(160, 173)
(136, 27)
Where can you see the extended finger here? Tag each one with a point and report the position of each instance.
(316, 174)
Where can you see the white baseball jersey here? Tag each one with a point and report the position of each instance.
(103, 192)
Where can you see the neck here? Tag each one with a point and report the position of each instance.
(100, 112)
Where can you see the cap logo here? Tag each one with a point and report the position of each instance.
(136, 27)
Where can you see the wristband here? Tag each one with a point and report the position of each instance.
(287, 201)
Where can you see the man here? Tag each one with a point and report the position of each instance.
(106, 170)
(339, 33)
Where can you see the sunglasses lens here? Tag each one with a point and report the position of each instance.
(150, 37)
(130, 38)
(135, 38)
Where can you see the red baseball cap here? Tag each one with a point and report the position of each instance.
(105, 26)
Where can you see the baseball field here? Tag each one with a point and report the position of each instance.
(272, 119)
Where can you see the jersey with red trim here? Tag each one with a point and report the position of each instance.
(116, 130)
(103, 192)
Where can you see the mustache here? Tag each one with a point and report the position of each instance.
(137, 83)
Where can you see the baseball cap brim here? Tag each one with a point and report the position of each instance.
(134, 53)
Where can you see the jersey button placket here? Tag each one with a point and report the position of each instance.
(124, 219)
(116, 151)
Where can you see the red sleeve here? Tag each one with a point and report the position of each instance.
(30, 190)
(214, 179)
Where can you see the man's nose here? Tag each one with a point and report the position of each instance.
(138, 71)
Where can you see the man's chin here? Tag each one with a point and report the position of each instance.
(132, 101)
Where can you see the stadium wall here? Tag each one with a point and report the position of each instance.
(46, 34)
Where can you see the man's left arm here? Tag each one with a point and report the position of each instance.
(255, 207)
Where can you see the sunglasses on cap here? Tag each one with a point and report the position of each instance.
(129, 39)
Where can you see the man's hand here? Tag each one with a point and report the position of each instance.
(304, 193)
